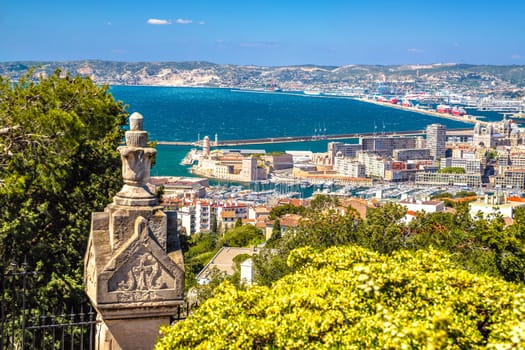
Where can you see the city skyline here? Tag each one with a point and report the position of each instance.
(268, 33)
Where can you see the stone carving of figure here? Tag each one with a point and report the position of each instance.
(144, 276)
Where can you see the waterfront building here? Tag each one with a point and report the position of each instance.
(471, 166)
(397, 172)
(232, 165)
(275, 162)
(448, 179)
(404, 155)
(348, 166)
(347, 150)
(436, 140)
(249, 170)
(375, 165)
(322, 160)
(301, 156)
(385, 145)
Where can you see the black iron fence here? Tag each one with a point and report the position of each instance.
(22, 327)
(25, 328)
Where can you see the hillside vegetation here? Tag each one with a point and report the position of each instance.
(351, 298)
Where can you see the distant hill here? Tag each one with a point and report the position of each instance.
(199, 73)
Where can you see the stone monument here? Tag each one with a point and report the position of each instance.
(133, 268)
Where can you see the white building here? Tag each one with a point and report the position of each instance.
(491, 205)
(348, 166)
(426, 206)
(375, 166)
(436, 140)
(414, 206)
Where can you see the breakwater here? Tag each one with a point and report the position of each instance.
(285, 139)
(464, 119)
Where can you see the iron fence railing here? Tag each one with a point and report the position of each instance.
(24, 327)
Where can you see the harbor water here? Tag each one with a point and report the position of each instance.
(189, 114)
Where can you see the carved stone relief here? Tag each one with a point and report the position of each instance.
(143, 280)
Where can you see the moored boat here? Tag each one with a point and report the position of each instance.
(458, 111)
(444, 109)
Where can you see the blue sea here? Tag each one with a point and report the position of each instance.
(189, 114)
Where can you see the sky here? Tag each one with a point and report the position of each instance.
(265, 33)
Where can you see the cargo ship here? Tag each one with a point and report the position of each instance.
(444, 109)
(458, 111)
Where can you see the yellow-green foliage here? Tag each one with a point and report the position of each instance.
(352, 298)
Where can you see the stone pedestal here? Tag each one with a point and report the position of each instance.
(134, 271)
(123, 334)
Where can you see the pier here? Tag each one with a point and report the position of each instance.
(285, 139)
(472, 119)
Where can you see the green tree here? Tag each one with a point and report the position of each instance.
(214, 223)
(200, 247)
(270, 265)
(280, 210)
(383, 229)
(352, 298)
(243, 236)
(509, 246)
(238, 223)
(58, 141)
(276, 233)
(320, 229)
(323, 202)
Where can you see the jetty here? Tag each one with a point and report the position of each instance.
(457, 132)
(472, 119)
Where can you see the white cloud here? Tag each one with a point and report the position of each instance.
(516, 57)
(201, 22)
(414, 50)
(183, 21)
(156, 21)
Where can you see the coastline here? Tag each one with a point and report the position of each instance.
(465, 119)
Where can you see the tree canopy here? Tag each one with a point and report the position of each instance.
(242, 236)
(476, 244)
(352, 298)
(58, 164)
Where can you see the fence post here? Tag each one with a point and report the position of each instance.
(24, 286)
(13, 266)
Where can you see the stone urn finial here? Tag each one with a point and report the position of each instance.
(136, 163)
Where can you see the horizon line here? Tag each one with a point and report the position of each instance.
(258, 65)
